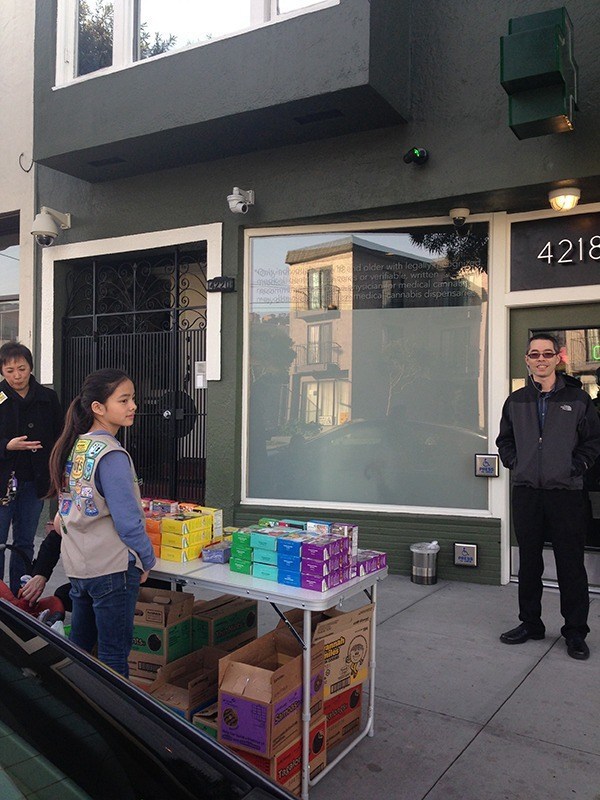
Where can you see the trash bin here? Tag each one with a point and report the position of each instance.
(424, 562)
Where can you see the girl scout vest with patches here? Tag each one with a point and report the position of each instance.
(90, 544)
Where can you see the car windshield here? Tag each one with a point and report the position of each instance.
(69, 728)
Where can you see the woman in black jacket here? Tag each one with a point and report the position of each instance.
(31, 420)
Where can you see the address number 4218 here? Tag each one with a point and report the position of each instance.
(571, 252)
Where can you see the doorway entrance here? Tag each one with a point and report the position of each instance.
(145, 313)
(577, 328)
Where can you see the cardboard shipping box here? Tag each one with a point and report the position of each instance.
(190, 683)
(227, 622)
(207, 720)
(343, 713)
(162, 629)
(346, 636)
(260, 693)
(285, 767)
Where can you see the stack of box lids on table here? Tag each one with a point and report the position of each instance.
(185, 531)
(314, 555)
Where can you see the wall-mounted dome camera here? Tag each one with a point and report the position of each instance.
(459, 216)
(239, 200)
(48, 224)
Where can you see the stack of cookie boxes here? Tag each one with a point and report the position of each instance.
(180, 531)
(313, 555)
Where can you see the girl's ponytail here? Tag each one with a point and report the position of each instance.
(77, 421)
(97, 387)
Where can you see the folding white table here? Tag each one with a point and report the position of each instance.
(218, 577)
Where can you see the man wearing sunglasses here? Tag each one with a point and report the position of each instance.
(549, 437)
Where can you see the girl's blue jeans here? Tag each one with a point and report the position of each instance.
(24, 514)
(103, 612)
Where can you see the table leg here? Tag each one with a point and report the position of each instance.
(371, 716)
(306, 656)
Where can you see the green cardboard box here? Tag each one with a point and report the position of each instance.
(162, 629)
(226, 622)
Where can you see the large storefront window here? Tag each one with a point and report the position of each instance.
(367, 367)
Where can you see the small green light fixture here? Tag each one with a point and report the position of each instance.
(416, 155)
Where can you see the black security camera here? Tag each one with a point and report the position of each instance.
(416, 155)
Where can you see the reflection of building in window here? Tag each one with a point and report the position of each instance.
(324, 403)
(329, 282)
(320, 290)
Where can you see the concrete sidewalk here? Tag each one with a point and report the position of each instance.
(461, 715)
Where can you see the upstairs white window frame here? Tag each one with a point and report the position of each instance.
(262, 12)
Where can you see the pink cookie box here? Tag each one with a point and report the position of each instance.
(319, 526)
(349, 531)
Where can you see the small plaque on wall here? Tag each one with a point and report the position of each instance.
(220, 284)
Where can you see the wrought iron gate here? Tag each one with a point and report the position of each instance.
(145, 313)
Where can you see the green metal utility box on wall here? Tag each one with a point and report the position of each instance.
(539, 73)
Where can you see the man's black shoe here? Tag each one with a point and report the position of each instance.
(577, 648)
(520, 634)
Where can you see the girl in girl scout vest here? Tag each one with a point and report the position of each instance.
(105, 550)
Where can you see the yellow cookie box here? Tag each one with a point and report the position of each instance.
(184, 540)
(180, 554)
(185, 525)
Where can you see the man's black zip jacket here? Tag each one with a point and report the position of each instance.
(558, 456)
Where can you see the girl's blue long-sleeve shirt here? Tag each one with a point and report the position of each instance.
(113, 481)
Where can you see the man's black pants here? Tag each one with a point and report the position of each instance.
(557, 516)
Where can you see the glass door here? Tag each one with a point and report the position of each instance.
(577, 329)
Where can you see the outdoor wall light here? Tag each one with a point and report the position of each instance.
(48, 224)
(416, 155)
(240, 199)
(564, 199)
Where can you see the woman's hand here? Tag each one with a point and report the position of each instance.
(22, 443)
(144, 577)
(32, 591)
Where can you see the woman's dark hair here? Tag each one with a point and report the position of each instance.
(97, 387)
(13, 350)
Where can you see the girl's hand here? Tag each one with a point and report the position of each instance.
(33, 589)
(144, 577)
(21, 443)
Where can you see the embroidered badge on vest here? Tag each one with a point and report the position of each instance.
(65, 507)
(91, 509)
(96, 449)
(566, 407)
(82, 445)
(3, 397)
(88, 468)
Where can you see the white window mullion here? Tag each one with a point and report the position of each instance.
(66, 41)
(123, 32)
